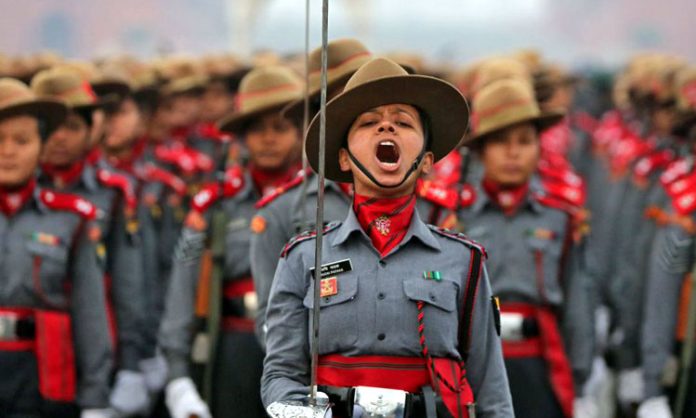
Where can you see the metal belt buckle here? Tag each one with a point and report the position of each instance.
(299, 408)
(8, 327)
(380, 402)
(511, 326)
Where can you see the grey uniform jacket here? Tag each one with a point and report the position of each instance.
(288, 215)
(176, 329)
(67, 255)
(671, 259)
(120, 258)
(525, 264)
(374, 311)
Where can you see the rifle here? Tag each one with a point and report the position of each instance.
(208, 308)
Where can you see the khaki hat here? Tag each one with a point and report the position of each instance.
(16, 98)
(112, 81)
(549, 77)
(263, 90)
(499, 68)
(63, 83)
(506, 103)
(344, 58)
(381, 82)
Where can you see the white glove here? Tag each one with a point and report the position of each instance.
(155, 371)
(656, 407)
(183, 401)
(630, 386)
(97, 413)
(129, 395)
(585, 407)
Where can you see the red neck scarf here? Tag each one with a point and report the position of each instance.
(346, 188)
(266, 181)
(127, 162)
(509, 199)
(11, 200)
(384, 220)
(63, 176)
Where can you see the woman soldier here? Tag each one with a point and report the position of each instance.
(408, 306)
(274, 147)
(55, 347)
(533, 227)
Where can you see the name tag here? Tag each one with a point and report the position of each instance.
(334, 269)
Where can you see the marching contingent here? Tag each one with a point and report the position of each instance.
(507, 238)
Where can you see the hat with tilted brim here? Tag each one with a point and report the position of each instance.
(263, 90)
(66, 84)
(17, 99)
(381, 82)
(344, 57)
(505, 103)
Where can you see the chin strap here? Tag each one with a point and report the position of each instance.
(425, 121)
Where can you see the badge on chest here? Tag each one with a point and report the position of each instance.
(329, 273)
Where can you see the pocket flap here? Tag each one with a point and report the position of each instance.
(442, 294)
(54, 252)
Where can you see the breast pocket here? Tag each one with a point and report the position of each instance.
(338, 327)
(440, 314)
(49, 272)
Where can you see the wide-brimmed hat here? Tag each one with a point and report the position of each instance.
(16, 99)
(63, 83)
(112, 81)
(685, 86)
(381, 82)
(263, 90)
(344, 57)
(505, 103)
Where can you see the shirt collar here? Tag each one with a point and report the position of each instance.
(417, 229)
(535, 187)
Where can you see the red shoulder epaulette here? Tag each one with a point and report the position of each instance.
(280, 190)
(681, 186)
(676, 170)
(448, 170)
(306, 236)
(69, 203)
(648, 164)
(467, 195)
(559, 171)
(458, 236)
(120, 182)
(573, 196)
(185, 159)
(153, 173)
(211, 192)
(437, 194)
(685, 203)
(570, 200)
(211, 131)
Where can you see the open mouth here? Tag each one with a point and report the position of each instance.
(387, 152)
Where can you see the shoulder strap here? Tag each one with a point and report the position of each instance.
(467, 314)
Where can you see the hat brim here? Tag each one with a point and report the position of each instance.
(108, 88)
(542, 122)
(237, 122)
(445, 107)
(51, 112)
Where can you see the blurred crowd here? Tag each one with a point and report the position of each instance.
(140, 243)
